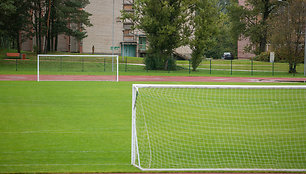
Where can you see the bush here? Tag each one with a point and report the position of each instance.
(264, 56)
(156, 61)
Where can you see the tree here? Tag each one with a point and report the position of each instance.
(165, 25)
(65, 13)
(6, 9)
(227, 42)
(16, 18)
(204, 22)
(54, 17)
(252, 21)
(287, 32)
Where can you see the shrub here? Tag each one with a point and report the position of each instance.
(156, 61)
(264, 56)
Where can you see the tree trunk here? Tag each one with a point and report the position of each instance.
(36, 30)
(18, 42)
(166, 64)
(47, 41)
(39, 28)
(292, 68)
(263, 40)
(56, 41)
(263, 43)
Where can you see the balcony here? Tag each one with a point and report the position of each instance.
(127, 25)
(128, 7)
(128, 2)
(129, 38)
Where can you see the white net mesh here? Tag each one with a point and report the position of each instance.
(229, 128)
(77, 68)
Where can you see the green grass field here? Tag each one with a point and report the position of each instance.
(221, 128)
(66, 126)
(134, 66)
(80, 126)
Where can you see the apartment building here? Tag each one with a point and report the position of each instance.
(243, 42)
(107, 36)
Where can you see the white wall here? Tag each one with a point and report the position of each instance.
(100, 34)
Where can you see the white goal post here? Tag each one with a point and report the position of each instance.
(114, 64)
(219, 127)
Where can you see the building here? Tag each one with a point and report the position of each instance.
(106, 36)
(243, 42)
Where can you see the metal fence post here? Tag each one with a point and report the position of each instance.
(231, 67)
(61, 64)
(273, 68)
(209, 66)
(82, 64)
(252, 66)
(126, 64)
(189, 65)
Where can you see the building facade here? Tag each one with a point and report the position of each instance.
(106, 36)
(243, 42)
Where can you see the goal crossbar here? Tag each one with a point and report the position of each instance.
(138, 107)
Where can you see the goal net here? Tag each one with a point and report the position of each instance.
(77, 67)
(219, 128)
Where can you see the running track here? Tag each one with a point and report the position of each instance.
(145, 78)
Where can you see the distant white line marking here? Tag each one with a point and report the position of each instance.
(96, 131)
(71, 151)
(21, 165)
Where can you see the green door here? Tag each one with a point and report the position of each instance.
(128, 50)
(142, 43)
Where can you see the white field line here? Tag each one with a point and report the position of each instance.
(92, 131)
(37, 132)
(61, 151)
(24, 165)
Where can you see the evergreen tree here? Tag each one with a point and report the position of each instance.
(204, 22)
(16, 19)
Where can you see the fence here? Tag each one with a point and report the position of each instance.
(206, 68)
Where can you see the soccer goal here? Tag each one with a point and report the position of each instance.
(77, 67)
(218, 128)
